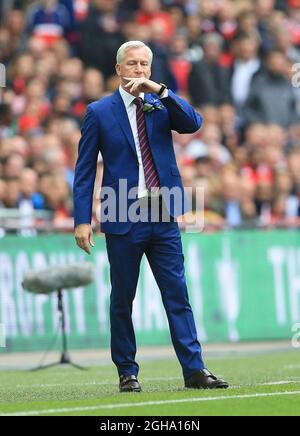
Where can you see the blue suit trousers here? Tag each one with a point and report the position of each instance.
(161, 243)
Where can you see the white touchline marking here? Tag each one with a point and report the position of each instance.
(278, 383)
(149, 403)
(292, 367)
(110, 382)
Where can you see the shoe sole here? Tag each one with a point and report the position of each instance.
(130, 390)
(222, 386)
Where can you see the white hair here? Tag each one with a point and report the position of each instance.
(132, 44)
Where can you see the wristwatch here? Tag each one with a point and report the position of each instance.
(162, 89)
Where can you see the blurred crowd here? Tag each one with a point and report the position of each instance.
(236, 61)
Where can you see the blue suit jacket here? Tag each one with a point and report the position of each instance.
(106, 128)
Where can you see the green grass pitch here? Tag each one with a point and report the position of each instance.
(261, 384)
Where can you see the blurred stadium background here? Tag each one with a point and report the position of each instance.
(233, 60)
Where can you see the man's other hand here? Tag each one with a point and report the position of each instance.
(84, 237)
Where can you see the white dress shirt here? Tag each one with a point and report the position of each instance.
(131, 112)
(241, 80)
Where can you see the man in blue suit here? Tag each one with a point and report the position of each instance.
(132, 130)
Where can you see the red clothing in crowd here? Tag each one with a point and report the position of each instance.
(162, 18)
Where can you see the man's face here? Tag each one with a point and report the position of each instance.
(248, 49)
(50, 3)
(277, 64)
(212, 51)
(136, 64)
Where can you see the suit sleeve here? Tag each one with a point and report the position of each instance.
(183, 117)
(86, 168)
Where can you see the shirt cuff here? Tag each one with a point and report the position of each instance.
(165, 94)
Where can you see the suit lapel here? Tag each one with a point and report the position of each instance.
(122, 118)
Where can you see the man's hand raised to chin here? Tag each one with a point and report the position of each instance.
(136, 85)
(84, 237)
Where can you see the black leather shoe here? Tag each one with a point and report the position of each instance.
(205, 380)
(129, 383)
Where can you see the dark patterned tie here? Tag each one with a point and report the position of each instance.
(150, 171)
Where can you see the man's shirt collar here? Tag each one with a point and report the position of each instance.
(128, 98)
